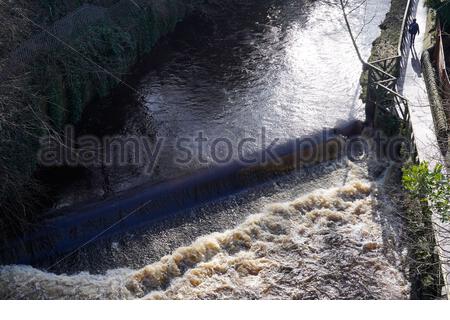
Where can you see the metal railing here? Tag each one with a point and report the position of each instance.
(383, 82)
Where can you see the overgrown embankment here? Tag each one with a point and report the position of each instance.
(22, 19)
(62, 55)
(435, 100)
(434, 62)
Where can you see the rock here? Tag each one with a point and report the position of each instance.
(370, 246)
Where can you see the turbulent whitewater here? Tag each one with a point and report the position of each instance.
(337, 243)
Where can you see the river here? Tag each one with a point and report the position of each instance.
(325, 232)
(282, 69)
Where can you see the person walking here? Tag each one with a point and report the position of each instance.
(413, 31)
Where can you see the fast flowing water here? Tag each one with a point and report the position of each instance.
(343, 242)
(329, 232)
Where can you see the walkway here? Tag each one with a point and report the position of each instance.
(414, 89)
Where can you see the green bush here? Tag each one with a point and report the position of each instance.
(429, 187)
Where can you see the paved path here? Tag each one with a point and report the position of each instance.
(412, 86)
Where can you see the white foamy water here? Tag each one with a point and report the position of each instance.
(337, 243)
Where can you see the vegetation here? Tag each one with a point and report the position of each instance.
(429, 187)
(59, 80)
(427, 194)
(18, 134)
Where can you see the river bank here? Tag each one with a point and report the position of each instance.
(65, 56)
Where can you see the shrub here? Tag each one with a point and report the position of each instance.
(429, 187)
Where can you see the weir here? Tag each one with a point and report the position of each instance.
(72, 228)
